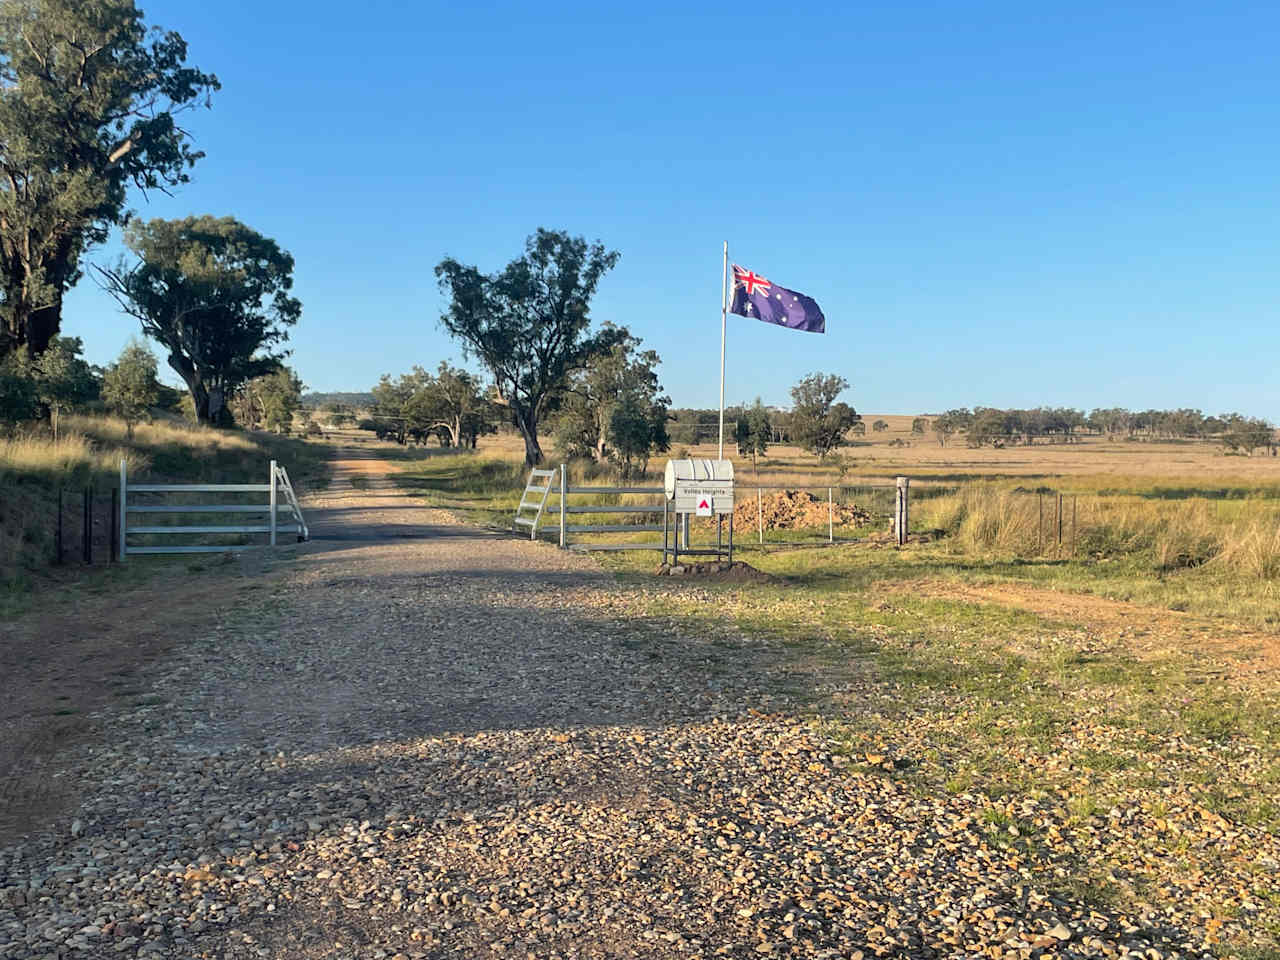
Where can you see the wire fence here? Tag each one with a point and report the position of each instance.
(85, 526)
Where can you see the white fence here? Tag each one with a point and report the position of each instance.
(151, 497)
(553, 485)
(548, 494)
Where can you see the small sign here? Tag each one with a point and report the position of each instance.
(704, 507)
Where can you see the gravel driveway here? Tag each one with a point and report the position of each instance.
(431, 741)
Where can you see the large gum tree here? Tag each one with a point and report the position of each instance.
(528, 325)
(89, 107)
(215, 294)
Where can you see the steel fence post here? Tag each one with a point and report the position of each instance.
(114, 545)
(124, 509)
(564, 486)
(273, 503)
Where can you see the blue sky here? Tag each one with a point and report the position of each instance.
(995, 203)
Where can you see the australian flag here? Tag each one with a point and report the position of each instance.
(754, 296)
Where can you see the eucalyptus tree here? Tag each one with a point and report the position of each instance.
(129, 386)
(528, 325)
(89, 105)
(215, 293)
(819, 422)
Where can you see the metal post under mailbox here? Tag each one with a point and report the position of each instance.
(703, 487)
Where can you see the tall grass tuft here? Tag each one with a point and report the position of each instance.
(72, 458)
(986, 518)
(1254, 550)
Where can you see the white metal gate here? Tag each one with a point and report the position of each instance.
(278, 489)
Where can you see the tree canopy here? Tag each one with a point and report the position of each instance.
(528, 325)
(129, 386)
(451, 405)
(89, 100)
(215, 293)
(753, 433)
(817, 420)
(624, 374)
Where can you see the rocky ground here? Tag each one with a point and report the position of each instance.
(433, 742)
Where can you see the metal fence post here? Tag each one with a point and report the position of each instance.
(114, 545)
(666, 522)
(273, 503)
(831, 518)
(124, 495)
(88, 525)
(901, 514)
(760, 514)
(564, 487)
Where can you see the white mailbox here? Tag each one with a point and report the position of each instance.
(701, 487)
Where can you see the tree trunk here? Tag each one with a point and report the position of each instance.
(42, 326)
(527, 423)
(195, 386)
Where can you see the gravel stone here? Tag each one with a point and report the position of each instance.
(435, 741)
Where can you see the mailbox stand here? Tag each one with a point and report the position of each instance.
(697, 488)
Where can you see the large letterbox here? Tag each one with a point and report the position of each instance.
(701, 487)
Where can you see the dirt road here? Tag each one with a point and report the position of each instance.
(410, 739)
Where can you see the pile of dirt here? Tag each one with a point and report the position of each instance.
(737, 571)
(795, 509)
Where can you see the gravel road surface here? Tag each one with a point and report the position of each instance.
(433, 741)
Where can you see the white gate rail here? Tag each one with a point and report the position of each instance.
(564, 509)
(278, 482)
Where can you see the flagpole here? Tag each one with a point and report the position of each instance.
(724, 317)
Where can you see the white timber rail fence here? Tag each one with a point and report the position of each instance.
(155, 499)
(552, 492)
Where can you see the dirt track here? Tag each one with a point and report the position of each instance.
(410, 738)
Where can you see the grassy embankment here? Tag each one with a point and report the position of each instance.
(33, 467)
(1114, 743)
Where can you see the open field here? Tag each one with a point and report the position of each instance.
(1118, 712)
(1176, 525)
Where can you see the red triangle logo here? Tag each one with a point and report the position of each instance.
(703, 505)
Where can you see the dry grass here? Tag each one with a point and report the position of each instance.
(988, 518)
(34, 467)
(72, 457)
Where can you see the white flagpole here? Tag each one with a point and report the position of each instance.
(724, 318)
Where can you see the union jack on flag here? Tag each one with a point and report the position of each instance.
(754, 296)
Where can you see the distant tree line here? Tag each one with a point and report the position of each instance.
(990, 426)
(346, 400)
(450, 405)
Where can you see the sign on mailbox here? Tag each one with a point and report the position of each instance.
(701, 487)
